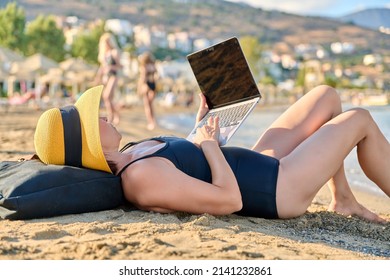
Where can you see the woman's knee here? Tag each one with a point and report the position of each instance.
(328, 98)
(361, 115)
(330, 95)
(362, 120)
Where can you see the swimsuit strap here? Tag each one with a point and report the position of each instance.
(130, 144)
(131, 162)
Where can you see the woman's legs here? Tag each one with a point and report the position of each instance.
(108, 96)
(148, 98)
(309, 166)
(344, 202)
(299, 122)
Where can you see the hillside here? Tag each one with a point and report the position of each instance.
(370, 18)
(217, 19)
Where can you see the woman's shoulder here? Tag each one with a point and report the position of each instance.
(145, 170)
(146, 167)
(114, 53)
(151, 67)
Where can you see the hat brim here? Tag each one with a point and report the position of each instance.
(88, 106)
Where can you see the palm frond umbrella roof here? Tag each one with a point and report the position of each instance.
(3, 74)
(54, 75)
(34, 63)
(75, 65)
(7, 55)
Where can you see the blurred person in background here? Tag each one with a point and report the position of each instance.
(109, 59)
(147, 86)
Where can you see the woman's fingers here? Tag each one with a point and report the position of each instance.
(213, 122)
(210, 121)
(216, 122)
(212, 127)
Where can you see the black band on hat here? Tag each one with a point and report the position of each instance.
(72, 136)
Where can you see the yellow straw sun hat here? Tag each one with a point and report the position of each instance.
(70, 135)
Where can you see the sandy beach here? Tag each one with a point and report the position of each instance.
(127, 233)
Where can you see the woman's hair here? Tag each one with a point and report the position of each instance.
(113, 166)
(145, 58)
(107, 42)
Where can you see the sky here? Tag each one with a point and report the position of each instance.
(327, 8)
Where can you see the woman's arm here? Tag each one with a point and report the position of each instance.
(169, 189)
(142, 74)
(155, 184)
(116, 66)
(116, 56)
(221, 173)
(207, 139)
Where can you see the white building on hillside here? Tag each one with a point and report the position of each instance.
(180, 41)
(123, 29)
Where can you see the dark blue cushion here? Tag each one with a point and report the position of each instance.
(31, 189)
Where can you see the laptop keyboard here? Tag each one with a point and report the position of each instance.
(229, 116)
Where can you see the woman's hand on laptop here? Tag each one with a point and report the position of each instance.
(208, 132)
(203, 108)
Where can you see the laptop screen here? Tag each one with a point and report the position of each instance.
(223, 74)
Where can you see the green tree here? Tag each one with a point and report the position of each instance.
(331, 80)
(301, 77)
(252, 48)
(43, 36)
(12, 24)
(167, 54)
(267, 79)
(86, 45)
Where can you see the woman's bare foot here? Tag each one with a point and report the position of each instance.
(115, 120)
(353, 208)
(151, 126)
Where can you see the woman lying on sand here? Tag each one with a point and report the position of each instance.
(278, 178)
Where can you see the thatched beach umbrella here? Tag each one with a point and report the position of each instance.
(7, 57)
(79, 81)
(3, 78)
(78, 74)
(3, 75)
(31, 68)
(75, 65)
(54, 78)
(54, 75)
(35, 63)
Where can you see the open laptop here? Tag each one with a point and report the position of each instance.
(224, 77)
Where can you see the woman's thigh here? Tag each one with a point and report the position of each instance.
(310, 165)
(110, 87)
(299, 121)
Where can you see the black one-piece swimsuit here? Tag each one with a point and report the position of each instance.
(256, 174)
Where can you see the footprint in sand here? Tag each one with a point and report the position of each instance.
(50, 234)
